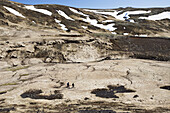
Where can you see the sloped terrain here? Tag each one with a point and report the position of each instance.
(65, 34)
(116, 65)
(143, 22)
(129, 85)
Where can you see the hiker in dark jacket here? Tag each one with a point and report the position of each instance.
(68, 84)
(72, 85)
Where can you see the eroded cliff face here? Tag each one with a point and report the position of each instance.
(67, 48)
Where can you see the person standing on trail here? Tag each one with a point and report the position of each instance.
(68, 84)
(72, 85)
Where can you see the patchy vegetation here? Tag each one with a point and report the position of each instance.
(17, 68)
(36, 94)
(8, 84)
(111, 91)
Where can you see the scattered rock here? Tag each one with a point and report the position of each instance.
(14, 54)
(135, 96)
(48, 60)
(86, 98)
(20, 44)
(15, 62)
(68, 100)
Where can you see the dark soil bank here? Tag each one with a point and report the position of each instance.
(111, 91)
(36, 94)
(153, 48)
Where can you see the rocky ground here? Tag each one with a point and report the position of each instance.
(135, 86)
(112, 73)
(104, 69)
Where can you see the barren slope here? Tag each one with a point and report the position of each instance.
(115, 65)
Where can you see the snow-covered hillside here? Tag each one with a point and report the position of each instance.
(122, 21)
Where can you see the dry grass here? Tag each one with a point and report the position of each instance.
(8, 84)
(23, 75)
(17, 68)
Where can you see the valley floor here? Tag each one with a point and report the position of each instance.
(145, 80)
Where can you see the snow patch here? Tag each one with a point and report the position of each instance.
(78, 12)
(105, 21)
(125, 33)
(159, 16)
(115, 13)
(114, 33)
(44, 11)
(127, 13)
(94, 22)
(64, 15)
(14, 11)
(34, 22)
(63, 27)
(132, 21)
(144, 35)
(141, 35)
(85, 27)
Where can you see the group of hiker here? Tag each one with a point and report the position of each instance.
(68, 85)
